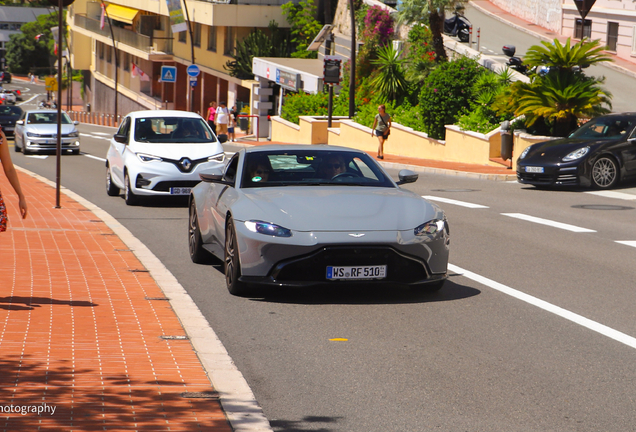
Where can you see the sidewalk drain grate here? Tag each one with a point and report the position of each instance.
(105, 234)
(174, 337)
(138, 270)
(94, 220)
(123, 250)
(200, 395)
(157, 298)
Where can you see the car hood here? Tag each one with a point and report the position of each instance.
(178, 150)
(557, 149)
(336, 208)
(49, 129)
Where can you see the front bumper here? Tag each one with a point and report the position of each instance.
(564, 175)
(302, 260)
(158, 178)
(50, 144)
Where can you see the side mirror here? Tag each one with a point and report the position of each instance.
(120, 138)
(214, 175)
(20, 122)
(75, 122)
(222, 138)
(407, 176)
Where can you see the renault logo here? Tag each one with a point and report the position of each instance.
(186, 164)
(356, 235)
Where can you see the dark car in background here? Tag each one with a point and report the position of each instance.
(5, 77)
(599, 154)
(9, 114)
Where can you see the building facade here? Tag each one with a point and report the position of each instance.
(141, 32)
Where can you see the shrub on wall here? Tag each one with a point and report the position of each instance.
(445, 94)
(303, 104)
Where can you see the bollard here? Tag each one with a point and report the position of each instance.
(470, 36)
(478, 38)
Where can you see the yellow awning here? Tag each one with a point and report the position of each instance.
(121, 13)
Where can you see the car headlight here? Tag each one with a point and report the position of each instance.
(429, 228)
(267, 228)
(525, 152)
(74, 134)
(576, 154)
(217, 158)
(148, 158)
(33, 135)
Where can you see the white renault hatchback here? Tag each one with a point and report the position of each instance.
(160, 153)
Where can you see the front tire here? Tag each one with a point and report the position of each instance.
(232, 264)
(130, 198)
(111, 189)
(195, 242)
(605, 173)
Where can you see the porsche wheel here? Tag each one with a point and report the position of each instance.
(195, 242)
(605, 173)
(129, 196)
(111, 189)
(232, 264)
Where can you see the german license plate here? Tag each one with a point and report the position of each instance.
(530, 169)
(358, 272)
(180, 190)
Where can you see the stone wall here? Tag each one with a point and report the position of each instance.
(545, 13)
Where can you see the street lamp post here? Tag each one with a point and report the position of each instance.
(352, 79)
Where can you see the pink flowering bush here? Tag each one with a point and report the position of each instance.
(378, 26)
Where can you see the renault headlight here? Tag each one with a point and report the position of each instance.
(217, 158)
(34, 135)
(430, 228)
(148, 158)
(73, 134)
(268, 228)
(576, 154)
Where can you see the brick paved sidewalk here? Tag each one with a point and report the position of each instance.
(81, 327)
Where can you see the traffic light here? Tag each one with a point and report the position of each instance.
(332, 70)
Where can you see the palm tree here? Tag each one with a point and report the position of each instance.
(431, 11)
(561, 99)
(566, 57)
(389, 82)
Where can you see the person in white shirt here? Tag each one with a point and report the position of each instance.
(222, 118)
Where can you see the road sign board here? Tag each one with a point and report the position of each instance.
(50, 83)
(193, 81)
(168, 74)
(193, 70)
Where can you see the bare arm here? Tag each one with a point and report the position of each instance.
(375, 122)
(11, 173)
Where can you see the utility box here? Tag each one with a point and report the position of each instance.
(506, 141)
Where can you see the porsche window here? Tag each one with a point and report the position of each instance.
(173, 130)
(310, 168)
(604, 127)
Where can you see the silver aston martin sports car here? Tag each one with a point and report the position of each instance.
(300, 216)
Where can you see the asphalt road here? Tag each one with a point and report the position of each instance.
(539, 337)
(495, 34)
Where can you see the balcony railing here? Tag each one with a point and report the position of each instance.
(126, 37)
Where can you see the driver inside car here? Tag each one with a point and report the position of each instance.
(332, 166)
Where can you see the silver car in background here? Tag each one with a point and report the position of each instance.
(37, 131)
(301, 216)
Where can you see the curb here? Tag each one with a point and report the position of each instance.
(237, 399)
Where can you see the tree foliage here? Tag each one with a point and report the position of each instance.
(257, 44)
(304, 26)
(389, 81)
(25, 52)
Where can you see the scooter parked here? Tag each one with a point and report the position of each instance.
(514, 63)
(458, 25)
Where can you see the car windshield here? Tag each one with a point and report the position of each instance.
(13, 111)
(173, 130)
(312, 168)
(46, 118)
(604, 127)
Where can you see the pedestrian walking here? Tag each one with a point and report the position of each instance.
(222, 118)
(12, 175)
(232, 124)
(381, 128)
(211, 116)
(32, 76)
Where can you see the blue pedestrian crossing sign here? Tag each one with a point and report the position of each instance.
(168, 74)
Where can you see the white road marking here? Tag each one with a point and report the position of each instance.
(549, 307)
(94, 157)
(454, 202)
(549, 223)
(94, 137)
(614, 194)
(628, 243)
